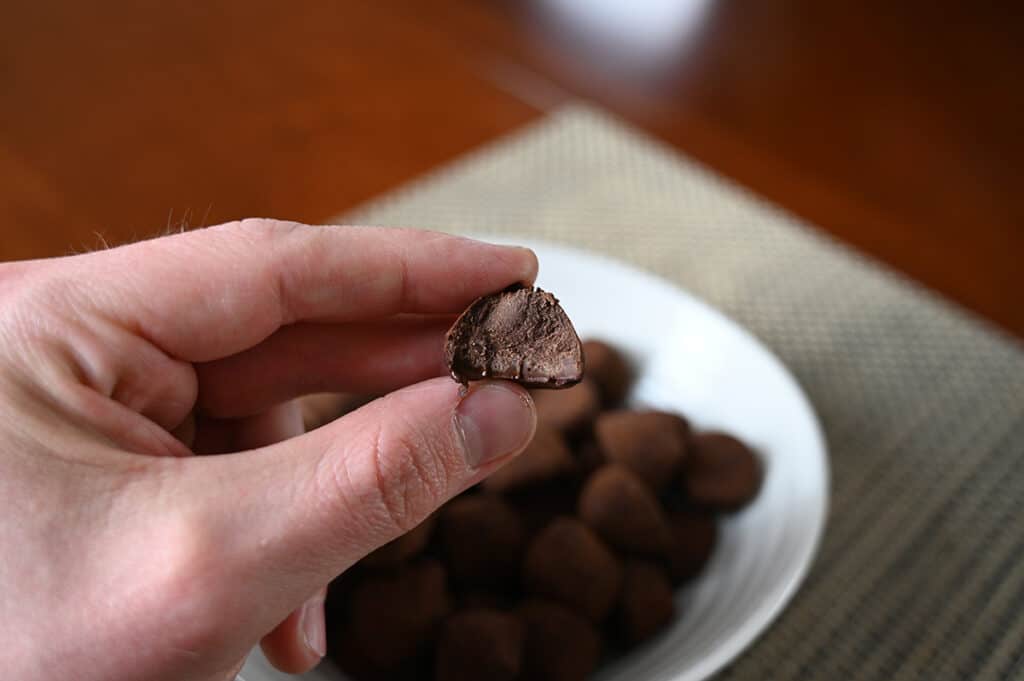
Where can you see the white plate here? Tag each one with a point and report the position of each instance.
(693, 360)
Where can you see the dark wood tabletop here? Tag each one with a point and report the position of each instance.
(898, 129)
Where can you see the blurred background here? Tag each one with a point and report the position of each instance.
(896, 127)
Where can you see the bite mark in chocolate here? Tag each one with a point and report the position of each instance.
(520, 334)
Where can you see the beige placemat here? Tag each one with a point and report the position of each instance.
(921, 575)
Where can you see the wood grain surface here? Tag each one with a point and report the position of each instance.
(897, 129)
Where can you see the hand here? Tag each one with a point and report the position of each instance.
(122, 555)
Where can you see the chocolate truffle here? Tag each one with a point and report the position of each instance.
(571, 411)
(560, 644)
(568, 563)
(651, 443)
(609, 370)
(482, 540)
(547, 457)
(624, 512)
(471, 598)
(393, 616)
(479, 644)
(589, 457)
(338, 594)
(403, 548)
(721, 472)
(346, 652)
(539, 504)
(645, 603)
(694, 535)
(520, 334)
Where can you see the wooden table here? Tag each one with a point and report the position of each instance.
(899, 130)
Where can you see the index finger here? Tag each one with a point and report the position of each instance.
(214, 292)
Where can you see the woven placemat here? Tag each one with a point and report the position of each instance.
(921, 575)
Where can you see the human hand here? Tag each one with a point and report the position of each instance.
(122, 555)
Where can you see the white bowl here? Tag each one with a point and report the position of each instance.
(692, 359)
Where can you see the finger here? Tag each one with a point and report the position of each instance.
(300, 641)
(211, 293)
(364, 357)
(119, 425)
(287, 519)
(185, 433)
(118, 365)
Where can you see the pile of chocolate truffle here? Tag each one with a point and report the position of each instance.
(564, 558)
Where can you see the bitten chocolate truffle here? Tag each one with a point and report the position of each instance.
(568, 563)
(393, 616)
(546, 458)
(609, 370)
(560, 644)
(480, 644)
(399, 550)
(651, 443)
(482, 540)
(624, 512)
(694, 535)
(721, 472)
(645, 603)
(520, 334)
(571, 411)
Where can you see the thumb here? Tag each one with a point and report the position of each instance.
(288, 518)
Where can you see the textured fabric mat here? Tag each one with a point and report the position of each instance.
(921, 575)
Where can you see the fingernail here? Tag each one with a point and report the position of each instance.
(530, 259)
(495, 419)
(311, 622)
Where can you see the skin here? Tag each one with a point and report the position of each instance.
(125, 556)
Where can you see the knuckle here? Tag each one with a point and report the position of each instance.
(289, 250)
(411, 477)
(264, 229)
(381, 474)
(391, 475)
